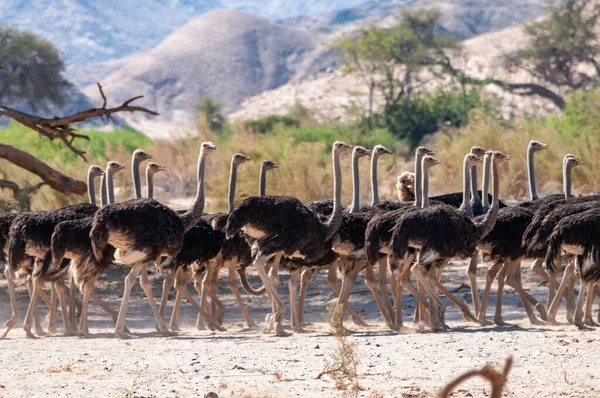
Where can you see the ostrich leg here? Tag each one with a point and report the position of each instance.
(259, 264)
(85, 299)
(513, 280)
(472, 274)
(382, 284)
(32, 310)
(489, 279)
(182, 279)
(204, 291)
(579, 307)
(589, 302)
(72, 301)
(333, 283)
(14, 319)
(293, 286)
(553, 308)
(51, 317)
(305, 279)
(168, 283)
(571, 300)
(146, 286)
(60, 291)
(372, 285)
(420, 273)
(232, 271)
(347, 283)
(218, 308)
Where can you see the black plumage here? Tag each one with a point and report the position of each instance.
(504, 240)
(378, 232)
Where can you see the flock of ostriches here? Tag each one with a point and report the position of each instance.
(416, 236)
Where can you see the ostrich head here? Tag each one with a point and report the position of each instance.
(154, 168)
(499, 157)
(114, 167)
(269, 165)
(472, 159)
(536, 146)
(360, 151)
(240, 158)
(478, 151)
(208, 147)
(428, 162)
(140, 155)
(380, 150)
(573, 160)
(95, 171)
(423, 150)
(340, 147)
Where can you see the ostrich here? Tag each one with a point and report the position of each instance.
(503, 244)
(282, 225)
(30, 235)
(137, 158)
(405, 187)
(440, 233)
(577, 235)
(144, 230)
(151, 169)
(344, 245)
(353, 231)
(67, 243)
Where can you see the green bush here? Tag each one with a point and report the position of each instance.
(267, 124)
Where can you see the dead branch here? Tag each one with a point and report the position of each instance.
(61, 127)
(497, 379)
(13, 186)
(53, 178)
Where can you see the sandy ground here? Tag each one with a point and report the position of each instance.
(548, 361)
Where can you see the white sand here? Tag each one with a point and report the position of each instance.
(548, 361)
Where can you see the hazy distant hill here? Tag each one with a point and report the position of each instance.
(228, 55)
(92, 31)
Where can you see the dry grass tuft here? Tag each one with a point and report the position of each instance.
(59, 369)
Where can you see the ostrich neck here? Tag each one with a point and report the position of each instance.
(531, 175)
(262, 182)
(91, 188)
(486, 181)
(135, 170)
(149, 184)
(374, 183)
(110, 188)
(466, 203)
(191, 217)
(425, 172)
(334, 222)
(489, 220)
(355, 185)
(232, 183)
(103, 193)
(418, 180)
(475, 199)
(567, 168)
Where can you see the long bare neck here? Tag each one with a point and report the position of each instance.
(91, 188)
(488, 222)
(466, 203)
(110, 187)
(355, 184)
(149, 184)
(567, 168)
(487, 160)
(374, 182)
(103, 193)
(232, 184)
(262, 182)
(531, 174)
(418, 180)
(334, 222)
(425, 188)
(475, 199)
(135, 171)
(191, 217)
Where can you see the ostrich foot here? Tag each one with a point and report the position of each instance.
(70, 332)
(40, 332)
(84, 333)
(500, 322)
(279, 332)
(542, 311)
(9, 325)
(298, 329)
(535, 321)
(589, 322)
(122, 334)
(358, 322)
(174, 327)
(167, 333)
(52, 329)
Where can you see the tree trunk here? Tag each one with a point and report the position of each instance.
(53, 178)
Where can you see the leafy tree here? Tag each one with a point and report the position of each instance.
(31, 70)
(212, 111)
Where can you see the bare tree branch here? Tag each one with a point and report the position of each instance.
(497, 379)
(13, 186)
(60, 127)
(53, 178)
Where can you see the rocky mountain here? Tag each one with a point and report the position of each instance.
(227, 55)
(91, 31)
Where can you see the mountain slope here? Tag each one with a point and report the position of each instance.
(228, 55)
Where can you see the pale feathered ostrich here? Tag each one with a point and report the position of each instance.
(503, 245)
(577, 235)
(144, 230)
(204, 252)
(282, 225)
(30, 235)
(405, 187)
(69, 241)
(440, 233)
